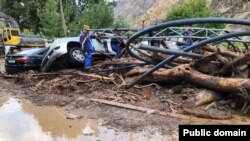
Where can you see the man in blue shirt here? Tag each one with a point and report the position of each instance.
(87, 47)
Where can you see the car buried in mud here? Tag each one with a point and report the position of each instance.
(29, 59)
(67, 51)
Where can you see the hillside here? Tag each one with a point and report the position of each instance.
(153, 11)
(150, 11)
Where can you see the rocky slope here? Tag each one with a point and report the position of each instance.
(137, 11)
(153, 11)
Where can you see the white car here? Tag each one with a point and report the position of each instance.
(68, 50)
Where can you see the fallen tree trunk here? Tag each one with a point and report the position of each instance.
(235, 62)
(240, 86)
(223, 52)
(203, 114)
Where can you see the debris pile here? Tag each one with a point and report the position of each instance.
(212, 86)
(211, 80)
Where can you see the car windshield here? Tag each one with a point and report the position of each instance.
(32, 51)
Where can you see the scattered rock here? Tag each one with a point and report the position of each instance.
(73, 116)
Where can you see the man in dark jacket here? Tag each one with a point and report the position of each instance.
(87, 47)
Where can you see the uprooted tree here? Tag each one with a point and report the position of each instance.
(205, 63)
(222, 70)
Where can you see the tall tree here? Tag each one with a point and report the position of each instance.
(43, 16)
(50, 19)
(63, 19)
(95, 13)
(193, 9)
(98, 15)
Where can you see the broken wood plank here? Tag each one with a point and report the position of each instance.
(76, 74)
(141, 109)
(206, 97)
(8, 76)
(39, 83)
(96, 76)
(203, 114)
(87, 81)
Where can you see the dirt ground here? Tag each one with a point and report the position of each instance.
(73, 93)
(1, 64)
(78, 105)
(76, 101)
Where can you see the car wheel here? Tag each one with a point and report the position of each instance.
(76, 56)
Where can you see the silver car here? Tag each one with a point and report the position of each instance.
(69, 50)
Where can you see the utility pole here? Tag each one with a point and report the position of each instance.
(143, 22)
(63, 20)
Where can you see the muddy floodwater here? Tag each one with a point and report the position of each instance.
(22, 121)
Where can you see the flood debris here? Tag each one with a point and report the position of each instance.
(201, 76)
(200, 84)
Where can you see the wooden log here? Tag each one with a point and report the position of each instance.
(203, 114)
(231, 64)
(141, 109)
(221, 51)
(206, 97)
(185, 72)
(86, 81)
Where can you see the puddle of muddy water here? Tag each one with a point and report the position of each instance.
(21, 121)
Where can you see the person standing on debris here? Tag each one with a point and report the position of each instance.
(116, 45)
(188, 41)
(87, 47)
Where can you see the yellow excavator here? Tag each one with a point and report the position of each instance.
(11, 39)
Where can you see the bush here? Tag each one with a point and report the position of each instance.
(193, 9)
(120, 22)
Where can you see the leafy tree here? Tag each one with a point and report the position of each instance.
(43, 16)
(98, 15)
(50, 19)
(120, 22)
(193, 9)
(24, 11)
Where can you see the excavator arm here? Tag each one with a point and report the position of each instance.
(11, 37)
(8, 22)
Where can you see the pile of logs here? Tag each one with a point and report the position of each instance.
(221, 70)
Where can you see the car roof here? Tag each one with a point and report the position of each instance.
(66, 39)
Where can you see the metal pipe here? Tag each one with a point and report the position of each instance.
(180, 23)
(170, 52)
(200, 44)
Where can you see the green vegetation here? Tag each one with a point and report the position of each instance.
(43, 16)
(193, 9)
(50, 23)
(120, 22)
